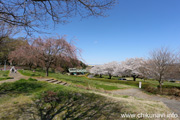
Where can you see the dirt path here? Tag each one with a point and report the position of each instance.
(16, 76)
(174, 105)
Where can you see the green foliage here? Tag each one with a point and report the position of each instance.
(31, 79)
(171, 86)
(149, 88)
(5, 78)
(9, 45)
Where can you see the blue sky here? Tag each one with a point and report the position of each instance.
(132, 29)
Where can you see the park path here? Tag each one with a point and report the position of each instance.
(174, 105)
(16, 76)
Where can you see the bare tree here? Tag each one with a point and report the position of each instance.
(6, 31)
(31, 14)
(158, 65)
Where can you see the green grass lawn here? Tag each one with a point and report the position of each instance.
(153, 83)
(36, 73)
(100, 84)
(4, 75)
(19, 98)
(77, 80)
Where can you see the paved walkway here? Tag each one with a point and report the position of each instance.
(174, 105)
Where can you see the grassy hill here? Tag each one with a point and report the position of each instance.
(83, 99)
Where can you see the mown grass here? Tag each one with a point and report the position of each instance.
(29, 87)
(76, 80)
(96, 83)
(4, 75)
(151, 82)
(32, 74)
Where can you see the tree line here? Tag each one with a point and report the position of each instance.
(53, 52)
(7, 45)
(162, 64)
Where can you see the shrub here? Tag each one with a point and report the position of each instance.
(171, 91)
(5, 75)
(6, 87)
(151, 89)
(31, 79)
(171, 86)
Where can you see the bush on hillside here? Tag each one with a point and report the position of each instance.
(31, 79)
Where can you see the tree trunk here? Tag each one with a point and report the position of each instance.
(109, 76)
(134, 78)
(47, 71)
(30, 66)
(160, 87)
(100, 75)
(160, 84)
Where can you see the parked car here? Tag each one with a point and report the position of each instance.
(122, 79)
(172, 80)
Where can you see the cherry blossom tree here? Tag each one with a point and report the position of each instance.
(52, 50)
(119, 70)
(130, 67)
(24, 55)
(8, 45)
(97, 70)
(109, 68)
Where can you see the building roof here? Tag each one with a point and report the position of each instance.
(74, 70)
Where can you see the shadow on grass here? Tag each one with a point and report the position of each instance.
(69, 105)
